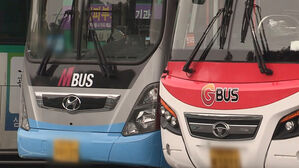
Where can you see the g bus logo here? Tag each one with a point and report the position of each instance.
(211, 94)
(208, 94)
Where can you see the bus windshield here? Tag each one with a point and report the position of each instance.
(126, 31)
(269, 25)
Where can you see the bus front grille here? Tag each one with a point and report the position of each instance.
(223, 127)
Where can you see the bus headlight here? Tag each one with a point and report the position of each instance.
(24, 118)
(287, 127)
(144, 117)
(169, 119)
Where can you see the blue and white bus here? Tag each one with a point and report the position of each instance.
(90, 81)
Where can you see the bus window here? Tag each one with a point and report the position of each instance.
(128, 31)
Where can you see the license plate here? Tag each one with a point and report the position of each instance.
(225, 158)
(66, 151)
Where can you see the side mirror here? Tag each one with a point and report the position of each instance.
(199, 2)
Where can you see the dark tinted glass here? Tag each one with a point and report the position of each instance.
(126, 31)
(13, 21)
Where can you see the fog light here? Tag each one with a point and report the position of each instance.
(144, 115)
(146, 118)
(169, 120)
(131, 129)
(167, 115)
(162, 110)
(173, 121)
(290, 126)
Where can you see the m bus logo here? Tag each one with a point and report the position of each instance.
(70, 79)
(211, 94)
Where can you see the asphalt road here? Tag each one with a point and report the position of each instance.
(62, 166)
(13, 161)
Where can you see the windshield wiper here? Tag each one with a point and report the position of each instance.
(248, 23)
(49, 52)
(108, 70)
(228, 10)
(249, 5)
(229, 55)
(200, 42)
(222, 30)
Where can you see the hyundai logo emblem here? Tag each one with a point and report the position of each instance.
(221, 129)
(71, 103)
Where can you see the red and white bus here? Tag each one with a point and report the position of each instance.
(229, 95)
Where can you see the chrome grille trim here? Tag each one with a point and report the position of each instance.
(242, 127)
(235, 129)
(110, 104)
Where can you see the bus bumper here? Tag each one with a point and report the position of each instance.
(283, 153)
(106, 148)
(175, 151)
